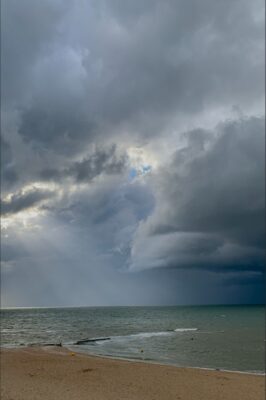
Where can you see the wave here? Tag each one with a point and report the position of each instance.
(140, 335)
(164, 333)
(145, 335)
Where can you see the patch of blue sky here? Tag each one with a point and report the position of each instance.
(145, 169)
(142, 170)
(132, 174)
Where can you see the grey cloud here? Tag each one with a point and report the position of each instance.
(12, 251)
(213, 193)
(107, 214)
(62, 127)
(248, 278)
(81, 75)
(8, 170)
(23, 201)
(100, 161)
(27, 28)
(116, 67)
(48, 167)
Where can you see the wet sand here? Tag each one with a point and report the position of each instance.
(56, 373)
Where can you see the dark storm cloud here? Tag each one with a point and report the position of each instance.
(19, 171)
(27, 27)
(23, 201)
(217, 183)
(8, 171)
(102, 160)
(248, 278)
(56, 128)
(210, 210)
(79, 76)
(97, 66)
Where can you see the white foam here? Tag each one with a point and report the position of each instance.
(135, 336)
(144, 335)
(147, 335)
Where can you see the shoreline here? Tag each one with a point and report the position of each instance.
(53, 372)
(153, 362)
(133, 360)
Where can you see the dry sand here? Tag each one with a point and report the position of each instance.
(55, 374)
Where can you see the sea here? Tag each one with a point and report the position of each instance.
(216, 337)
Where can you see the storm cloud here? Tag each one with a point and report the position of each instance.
(210, 203)
(23, 201)
(100, 161)
(132, 151)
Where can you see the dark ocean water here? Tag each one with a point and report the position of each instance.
(225, 337)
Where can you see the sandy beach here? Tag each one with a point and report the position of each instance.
(56, 373)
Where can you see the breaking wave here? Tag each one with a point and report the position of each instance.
(140, 335)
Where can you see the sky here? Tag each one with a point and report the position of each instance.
(132, 151)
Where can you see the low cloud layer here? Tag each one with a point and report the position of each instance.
(101, 161)
(22, 201)
(210, 203)
(132, 152)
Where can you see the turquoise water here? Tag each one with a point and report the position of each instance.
(225, 337)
